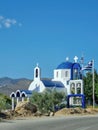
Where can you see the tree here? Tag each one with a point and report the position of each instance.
(88, 86)
(96, 87)
(5, 102)
(2, 102)
(47, 101)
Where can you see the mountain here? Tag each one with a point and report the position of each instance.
(8, 85)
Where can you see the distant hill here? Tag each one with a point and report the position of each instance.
(8, 85)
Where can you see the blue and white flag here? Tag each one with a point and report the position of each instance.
(88, 66)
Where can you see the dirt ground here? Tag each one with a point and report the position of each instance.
(26, 109)
(80, 111)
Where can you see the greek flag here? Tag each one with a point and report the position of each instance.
(89, 66)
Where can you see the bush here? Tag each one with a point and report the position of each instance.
(47, 101)
(2, 103)
(5, 102)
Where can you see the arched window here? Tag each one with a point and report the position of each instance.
(23, 95)
(79, 85)
(18, 94)
(36, 73)
(57, 74)
(75, 74)
(78, 88)
(72, 88)
(13, 95)
(66, 74)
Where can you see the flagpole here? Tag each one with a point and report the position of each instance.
(93, 84)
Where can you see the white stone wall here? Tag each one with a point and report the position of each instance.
(35, 84)
(62, 74)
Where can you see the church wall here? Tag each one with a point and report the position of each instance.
(62, 75)
(35, 84)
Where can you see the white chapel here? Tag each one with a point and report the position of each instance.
(67, 78)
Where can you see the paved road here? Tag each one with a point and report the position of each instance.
(53, 123)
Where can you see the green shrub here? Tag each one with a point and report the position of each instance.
(5, 102)
(47, 101)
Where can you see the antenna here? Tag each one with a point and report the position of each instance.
(82, 59)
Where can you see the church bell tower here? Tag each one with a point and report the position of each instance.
(37, 73)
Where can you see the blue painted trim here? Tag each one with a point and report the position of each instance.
(76, 95)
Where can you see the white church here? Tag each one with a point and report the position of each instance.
(67, 78)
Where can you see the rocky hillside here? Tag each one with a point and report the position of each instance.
(7, 85)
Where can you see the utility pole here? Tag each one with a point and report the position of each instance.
(93, 80)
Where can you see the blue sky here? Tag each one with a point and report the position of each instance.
(46, 32)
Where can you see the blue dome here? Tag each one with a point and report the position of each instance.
(76, 66)
(65, 65)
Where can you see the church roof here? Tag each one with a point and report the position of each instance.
(65, 65)
(50, 83)
(26, 91)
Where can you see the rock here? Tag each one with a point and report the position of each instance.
(68, 111)
(25, 108)
(51, 114)
(5, 115)
(38, 113)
